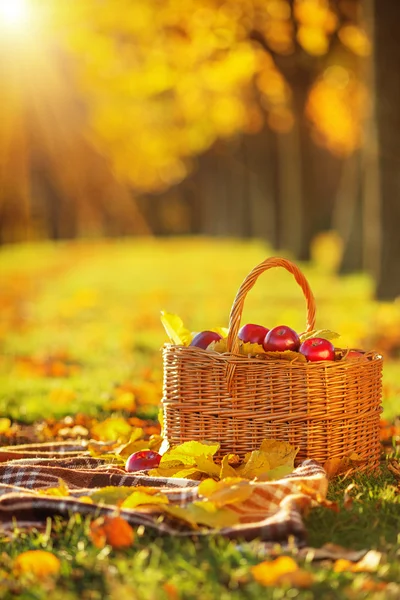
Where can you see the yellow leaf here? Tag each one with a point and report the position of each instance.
(279, 453)
(326, 334)
(218, 346)
(175, 330)
(125, 401)
(38, 563)
(188, 473)
(281, 571)
(249, 349)
(276, 473)
(168, 469)
(114, 494)
(113, 428)
(188, 452)
(289, 355)
(226, 469)
(255, 463)
(140, 498)
(196, 514)
(205, 464)
(61, 490)
(5, 425)
(229, 491)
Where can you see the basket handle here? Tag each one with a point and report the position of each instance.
(248, 283)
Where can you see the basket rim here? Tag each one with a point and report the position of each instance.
(233, 357)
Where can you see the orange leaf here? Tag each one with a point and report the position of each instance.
(111, 530)
(369, 563)
(281, 571)
(39, 563)
(171, 590)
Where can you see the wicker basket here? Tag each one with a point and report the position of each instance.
(327, 409)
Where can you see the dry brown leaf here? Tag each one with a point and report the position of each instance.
(39, 563)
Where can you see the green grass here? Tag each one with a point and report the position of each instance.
(99, 305)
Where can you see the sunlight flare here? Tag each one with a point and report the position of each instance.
(14, 13)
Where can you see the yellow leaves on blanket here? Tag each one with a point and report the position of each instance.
(114, 531)
(39, 563)
(283, 571)
(195, 460)
(119, 439)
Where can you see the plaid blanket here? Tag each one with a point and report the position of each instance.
(272, 513)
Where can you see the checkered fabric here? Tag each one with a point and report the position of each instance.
(272, 513)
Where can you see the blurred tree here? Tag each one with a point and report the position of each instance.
(162, 81)
(387, 52)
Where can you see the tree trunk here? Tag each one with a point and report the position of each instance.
(387, 57)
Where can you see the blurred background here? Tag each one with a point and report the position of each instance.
(276, 120)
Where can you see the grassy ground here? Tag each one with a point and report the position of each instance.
(78, 320)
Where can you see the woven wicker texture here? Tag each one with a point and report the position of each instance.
(327, 409)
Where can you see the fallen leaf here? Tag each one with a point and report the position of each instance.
(5, 425)
(114, 531)
(255, 463)
(171, 590)
(113, 428)
(283, 571)
(39, 563)
(369, 563)
(202, 513)
(139, 498)
(339, 466)
(228, 491)
(226, 470)
(189, 451)
(279, 453)
(61, 490)
(125, 401)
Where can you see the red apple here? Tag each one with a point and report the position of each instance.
(252, 333)
(281, 338)
(316, 349)
(142, 460)
(204, 339)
